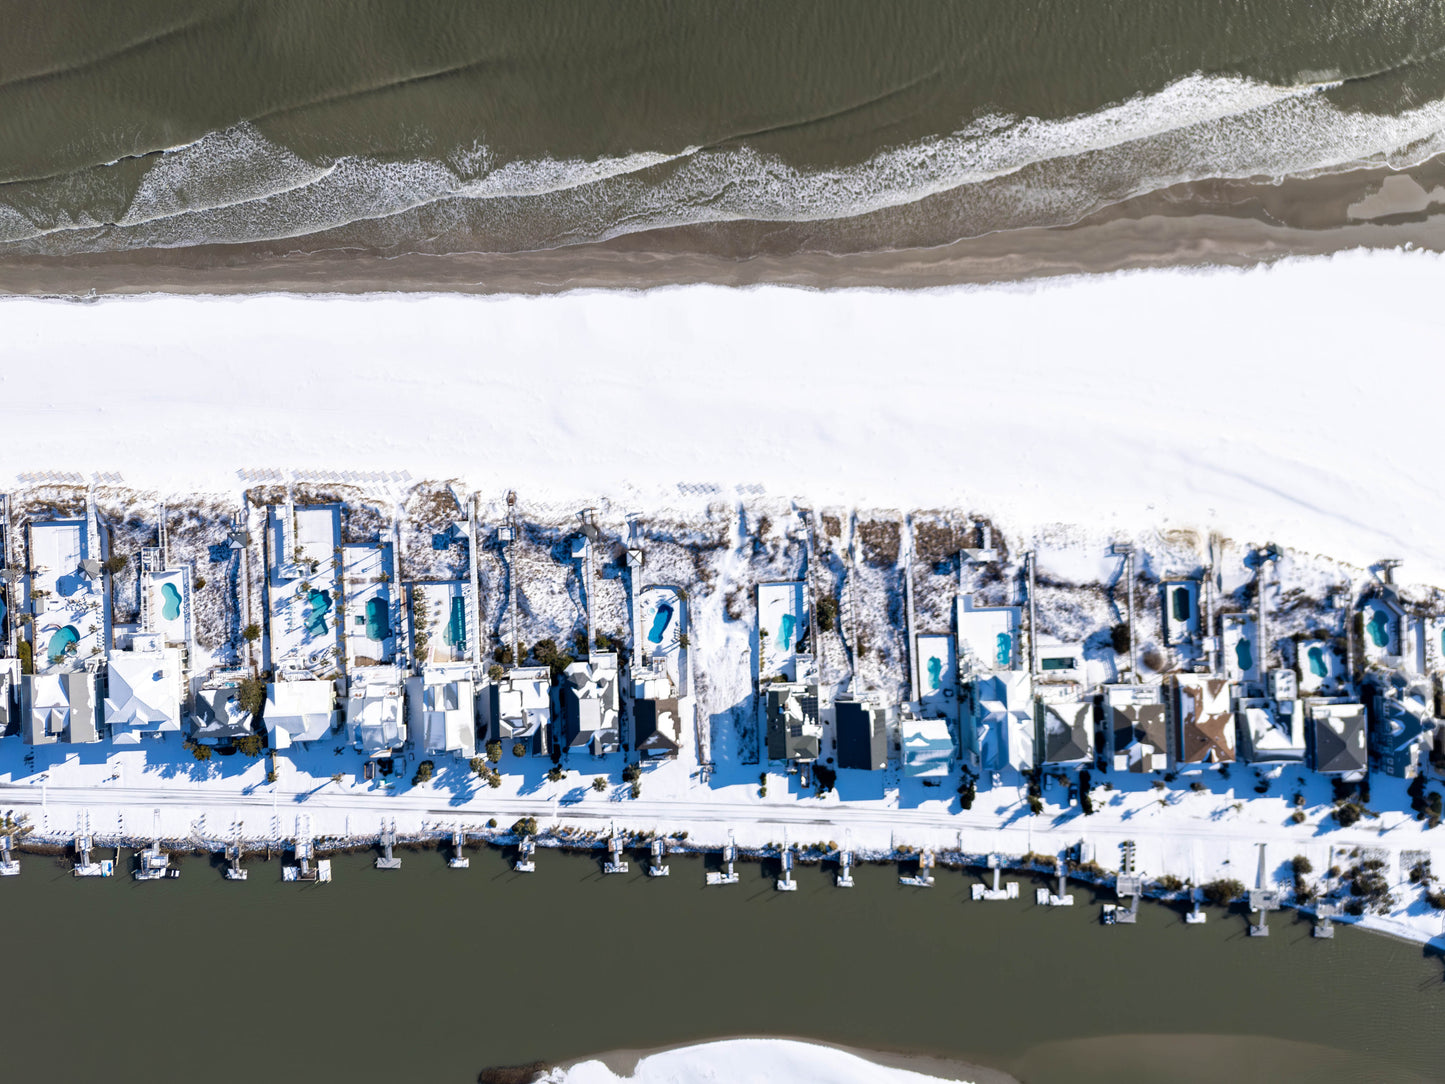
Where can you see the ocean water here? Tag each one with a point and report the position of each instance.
(505, 128)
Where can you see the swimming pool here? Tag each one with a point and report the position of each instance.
(1004, 651)
(456, 631)
(320, 602)
(61, 642)
(378, 627)
(1181, 603)
(935, 672)
(170, 602)
(1317, 662)
(1243, 655)
(1379, 627)
(660, 620)
(785, 631)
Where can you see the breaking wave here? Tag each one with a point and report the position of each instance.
(995, 172)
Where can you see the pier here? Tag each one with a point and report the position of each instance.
(615, 862)
(526, 856)
(1325, 915)
(234, 872)
(388, 841)
(153, 864)
(8, 866)
(1262, 899)
(845, 869)
(458, 860)
(84, 867)
(1128, 887)
(305, 851)
(1062, 898)
(728, 875)
(924, 877)
(785, 883)
(999, 891)
(656, 867)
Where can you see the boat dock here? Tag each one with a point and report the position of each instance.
(458, 860)
(785, 883)
(1325, 915)
(845, 869)
(1062, 898)
(656, 867)
(1262, 899)
(615, 862)
(924, 877)
(999, 891)
(1196, 915)
(728, 875)
(234, 872)
(388, 841)
(305, 851)
(153, 864)
(8, 866)
(84, 867)
(526, 856)
(1128, 886)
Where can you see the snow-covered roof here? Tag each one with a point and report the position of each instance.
(1067, 731)
(1139, 723)
(375, 713)
(988, 636)
(218, 715)
(299, 710)
(927, 747)
(1339, 737)
(59, 707)
(143, 693)
(1004, 720)
(794, 730)
(443, 711)
(591, 702)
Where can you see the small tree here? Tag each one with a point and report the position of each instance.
(636, 791)
(495, 672)
(519, 749)
(423, 772)
(249, 745)
(1222, 891)
(199, 751)
(115, 563)
(1301, 866)
(827, 611)
(527, 826)
(599, 784)
(251, 695)
(494, 751)
(556, 774)
(251, 633)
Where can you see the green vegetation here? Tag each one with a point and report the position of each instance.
(251, 695)
(556, 774)
(827, 613)
(251, 633)
(1169, 883)
(249, 745)
(636, 790)
(1119, 638)
(527, 826)
(115, 563)
(519, 749)
(27, 657)
(599, 784)
(423, 772)
(494, 751)
(632, 773)
(495, 672)
(489, 775)
(1223, 891)
(200, 752)
(503, 655)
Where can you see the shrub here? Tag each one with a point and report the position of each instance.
(1223, 891)
(1348, 814)
(527, 826)
(115, 563)
(251, 633)
(1197, 787)
(503, 655)
(1298, 816)
(495, 672)
(1119, 638)
(494, 751)
(423, 772)
(827, 613)
(199, 751)
(519, 749)
(1301, 866)
(249, 745)
(492, 823)
(1036, 805)
(556, 774)
(1436, 899)
(966, 794)
(27, 657)
(633, 772)
(200, 582)
(636, 791)
(477, 764)
(1169, 883)
(271, 776)
(599, 784)
(251, 695)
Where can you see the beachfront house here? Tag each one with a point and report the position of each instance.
(661, 720)
(65, 597)
(376, 710)
(217, 717)
(442, 708)
(1000, 706)
(592, 705)
(928, 746)
(1065, 722)
(794, 730)
(1272, 728)
(1382, 624)
(1337, 738)
(1205, 724)
(860, 733)
(60, 706)
(143, 691)
(1136, 726)
(518, 710)
(1402, 723)
(303, 589)
(299, 709)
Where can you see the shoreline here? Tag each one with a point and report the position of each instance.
(1212, 223)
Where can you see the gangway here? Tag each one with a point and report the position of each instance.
(999, 891)
(656, 867)
(1196, 915)
(305, 851)
(728, 875)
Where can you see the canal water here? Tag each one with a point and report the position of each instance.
(431, 974)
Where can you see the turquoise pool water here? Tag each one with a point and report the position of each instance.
(1004, 652)
(1317, 662)
(662, 617)
(1379, 626)
(456, 632)
(785, 631)
(378, 627)
(61, 642)
(1244, 655)
(935, 673)
(320, 602)
(170, 602)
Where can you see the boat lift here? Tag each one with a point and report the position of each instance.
(526, 856)
(1062, 898)
(305, 850)
(154, 865)
(388, 841)
(459, 841)
(656, 867)
(728, 875)
(84, 844)
(615, 862)
(1009, 891)
(924, 877)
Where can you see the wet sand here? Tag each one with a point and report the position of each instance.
(1202, 224)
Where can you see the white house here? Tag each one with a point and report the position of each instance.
(299, 711)
(442, 708)
(143, 692)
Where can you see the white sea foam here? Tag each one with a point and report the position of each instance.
(746, 1061)
(236, 186)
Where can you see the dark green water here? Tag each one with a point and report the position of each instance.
(429, 974)
(430, 125)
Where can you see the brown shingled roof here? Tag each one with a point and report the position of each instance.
(1206, 730)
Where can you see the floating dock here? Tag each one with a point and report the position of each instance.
(388, 841)
(1062, 898)
(1128, 886)
(656, 867)
(845, 870)
(8, 866)
(458, 860)
(728, 875)
(785, 883)
(1262, 899)
(1325, 915)
(999, 891)
(526, 856)
(614, 863)
(234, 872)
(153, 864)
(924, 877)
(305, 850)
(1196, 915)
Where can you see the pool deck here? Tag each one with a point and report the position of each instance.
(313, 560)
(436, 598)
(368, 575)
(62, 594)
(781, 609)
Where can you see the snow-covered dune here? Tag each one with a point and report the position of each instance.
(1294, 402)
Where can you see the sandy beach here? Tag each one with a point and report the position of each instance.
(1216, 223)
